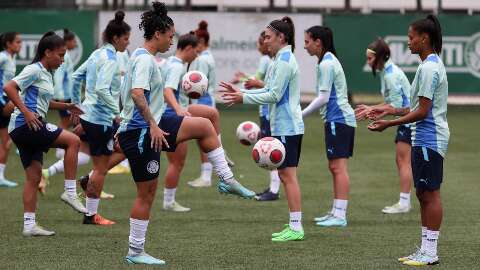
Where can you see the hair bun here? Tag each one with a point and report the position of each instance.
(159, 8)
(119, 16)
(203, 25)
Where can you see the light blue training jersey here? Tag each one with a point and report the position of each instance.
(330, 77)
(36, 91)
(173, 71)
(62, 79)
(261, 74)
(282, 93)
(143, 73)
(431, 82)
(395, 87)
(206, 64)
(102, 86)
(7, 71)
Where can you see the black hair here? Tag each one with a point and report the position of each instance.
(116, 27)
(325, 35)
(430, 26)
(49, 41)
(68, 35)
(154, 20)
(5, 38)
(187, 40)
(382, 54)
(286, 27)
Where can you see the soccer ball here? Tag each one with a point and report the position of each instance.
(268, 153)
(248, 133)
(195, 84)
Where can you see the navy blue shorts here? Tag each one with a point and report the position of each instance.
(136, 145)
(32, 144)
(64, 113)
(293, 148)
(404, 134)
(4, 120)
(99, 138)
(339, 140)
(427, 168)
(264, 127)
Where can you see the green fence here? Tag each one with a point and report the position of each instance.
(461, 48)
(31, 24)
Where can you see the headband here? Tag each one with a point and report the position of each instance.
(371, 51)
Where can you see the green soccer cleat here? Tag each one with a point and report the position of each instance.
(422, 259)
(289, 235)
(285, 228)
(143, 258)
(235, 189)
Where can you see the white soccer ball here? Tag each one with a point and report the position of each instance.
(248, 133)
(194, 84)
(268, 153)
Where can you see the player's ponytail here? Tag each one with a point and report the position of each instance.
(68, 35)
(382, 53)
(286, 27)
(5, 38)
(202, 32)
(431, 26)
(116, 27)
(49, 41)
(325, 35)
(155, 19)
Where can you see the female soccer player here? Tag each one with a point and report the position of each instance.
(10, 44)
(395, 89)
(286, 123)
(33, 135)
(206, 64)
(144, 132)
(430, 132)
(338, 116)
(101, 108)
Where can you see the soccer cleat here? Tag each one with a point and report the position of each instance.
(74, 202)
(175, 207)
(84, 182)
(105, 195)
(119, 169)
(264, 191)
(199, 182)
(235, 189)
(333, 222)
(320, 219)
(267, 196)
(285, 228)
(289, 235)
(396, 209)
(417, 252)
(230, 162)
(37, 231)
(7, 183)
(143, 258)
(422, 259)
(97, 220)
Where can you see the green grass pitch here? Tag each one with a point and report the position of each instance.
(231, 233)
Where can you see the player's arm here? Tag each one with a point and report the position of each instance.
(172, 82)
(78, 77)
(103, 85)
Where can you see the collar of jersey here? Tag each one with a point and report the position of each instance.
(284, 49)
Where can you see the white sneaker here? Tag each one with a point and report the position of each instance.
(37, 231)
(175, 207)
(396, 209)
(199, 182)
(74, 202)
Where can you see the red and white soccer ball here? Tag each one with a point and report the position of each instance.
(195, 84)
(248, 133)
(268, 153)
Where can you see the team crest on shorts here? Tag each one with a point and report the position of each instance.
(51, 127)
(152, 166)
(110, 145)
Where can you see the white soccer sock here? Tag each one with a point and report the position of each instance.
(206, 170)
(60, 153)
(340, 208)
(55, 168)
(432, 240)
(2, 171)
(423, 247)
(333, 206)
(92, 206)
(274, 181)
(28, 221)
(125, 163)
(296, 221)
(83, 158)
(217, 158)
(404, 199)
(71, 187)
(169, 195)
(136, 240)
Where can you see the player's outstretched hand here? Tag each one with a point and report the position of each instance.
(361, 112)
(253, 83)
(379, 125)
(231, 94)
(380, 112)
